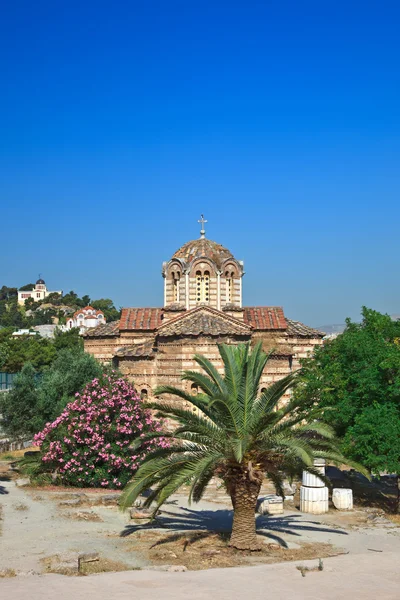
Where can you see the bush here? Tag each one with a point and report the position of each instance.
(18, 407)
(90, 443)
(69, 373)
(374, 438)
(37, 398)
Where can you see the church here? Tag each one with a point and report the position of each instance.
(203, 285)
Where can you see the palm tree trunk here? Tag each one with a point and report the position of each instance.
(244, 494)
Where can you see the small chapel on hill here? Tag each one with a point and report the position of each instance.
(203, 284)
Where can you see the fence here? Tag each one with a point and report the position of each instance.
(6, 380)
(7, 445)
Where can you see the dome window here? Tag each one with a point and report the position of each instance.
(176, 277)
(202, 286)
(229, 275)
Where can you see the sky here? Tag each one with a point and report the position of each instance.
(121, 122)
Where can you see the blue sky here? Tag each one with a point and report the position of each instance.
(121, 122)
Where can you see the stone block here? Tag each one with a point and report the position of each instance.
(141, 513)
(111, 499)
(270, 505)
(73, 502)
(22, 481)
(289, 488)
(342, 498)
(65, 564)
(86, 557)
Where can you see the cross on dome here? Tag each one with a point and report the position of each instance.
(202, 230)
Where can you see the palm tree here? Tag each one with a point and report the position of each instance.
(232, 431)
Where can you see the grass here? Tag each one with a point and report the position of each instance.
(394, 518)
(21, 506)
(82, 515)
(7, 573)
(14, 455)
(103, 565)
(51, 564)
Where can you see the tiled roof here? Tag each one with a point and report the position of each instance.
(141, 318)
(175, 307)
(107, 330)
(297, 329)
(265, 317)
(203, 247)
(204, 320)
(137, 350)
(232, 308)
(83, 311)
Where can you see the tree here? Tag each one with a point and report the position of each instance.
(18, 407)
(70, 299)
(10, 315)
(107, 306)
(44, 317)
(84, 301)
(69, 373)
(4, 354)
(8, 292)
(374, 438)
(30, 304)
(47, 393)
(40, 352)
(27, 288)
(358, 375)
(53, 298)
(232, 431)
(68, 339)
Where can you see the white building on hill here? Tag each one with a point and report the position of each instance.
(39, 292)
(84, 318)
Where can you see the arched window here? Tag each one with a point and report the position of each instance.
(176, 276)
(263, 390)
(194, 390)
(203, 286)
(229, 275)
(144, 394)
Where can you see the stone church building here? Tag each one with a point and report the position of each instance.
(203, 284)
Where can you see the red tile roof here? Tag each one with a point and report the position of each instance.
(297, 329)
(141, 318)
(83, 311)
(107, 330)
(204, 320)
(265, 317)
(259, 317)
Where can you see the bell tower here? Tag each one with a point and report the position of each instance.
(202, 272)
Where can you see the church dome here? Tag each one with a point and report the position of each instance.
(40, 282)
(203, 247)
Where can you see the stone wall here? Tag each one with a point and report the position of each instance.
(173, 355)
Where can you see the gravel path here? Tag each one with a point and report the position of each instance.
(40, 530)
(363, 577)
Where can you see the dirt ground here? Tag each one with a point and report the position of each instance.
(41, 523)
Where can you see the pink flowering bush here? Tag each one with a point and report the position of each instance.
(90, 443)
